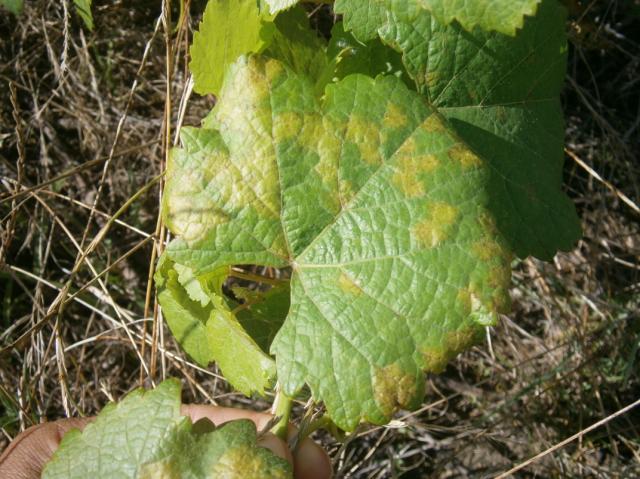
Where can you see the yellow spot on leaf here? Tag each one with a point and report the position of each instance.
(287, 125)
(487, 249)
(393, 388)
(462, 339)
(346, 191)
(435, 360)
(394, 117)
(347, 285)
(273, 69)
(464, 156)
(365, 135)
(433, 124)
(159, 470)
(437, 226)
(242, 462)
(432, 78)
(408, 170)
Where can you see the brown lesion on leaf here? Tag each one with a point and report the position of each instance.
(348, 285)
(467, 158)
(393, 388)
(436, 228)
(454, 342)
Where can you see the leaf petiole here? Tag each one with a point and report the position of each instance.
(281, 409)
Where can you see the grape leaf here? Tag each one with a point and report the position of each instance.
(276, 6)
(262, 318)
(504, 16)
(376, 205)
(229, 28)
(501, 94)
(14, 6)
(144, 437)
(298, 46)
(206, 328)
(371, 58)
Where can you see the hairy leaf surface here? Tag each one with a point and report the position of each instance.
(379, 208)
(229, 28)
(144, 436)
(501, 94)
(505, 16)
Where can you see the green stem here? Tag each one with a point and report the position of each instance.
(282, 410)
(255, 278)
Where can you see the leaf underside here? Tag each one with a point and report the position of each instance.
(145, 437)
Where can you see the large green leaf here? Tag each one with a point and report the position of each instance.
(145, 437)
(205, 327)
(504, 16)
(376, 205)
(501, 94)
(229, 28)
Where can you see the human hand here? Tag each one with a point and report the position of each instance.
(29, 452)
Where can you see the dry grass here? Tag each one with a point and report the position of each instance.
(74, 333)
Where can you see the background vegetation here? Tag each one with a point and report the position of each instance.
(83, 128)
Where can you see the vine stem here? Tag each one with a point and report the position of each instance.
(281, 409)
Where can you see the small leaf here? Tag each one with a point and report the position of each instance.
(376, 205)
(278, 5)
(263, 318)
(371, 58)
(229, 28)
(207, 330)
(297, 45)
(14, 6)
(144, 436)
(83, 8)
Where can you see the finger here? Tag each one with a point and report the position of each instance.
(220, 415)
(310, 461)
(31, 450)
